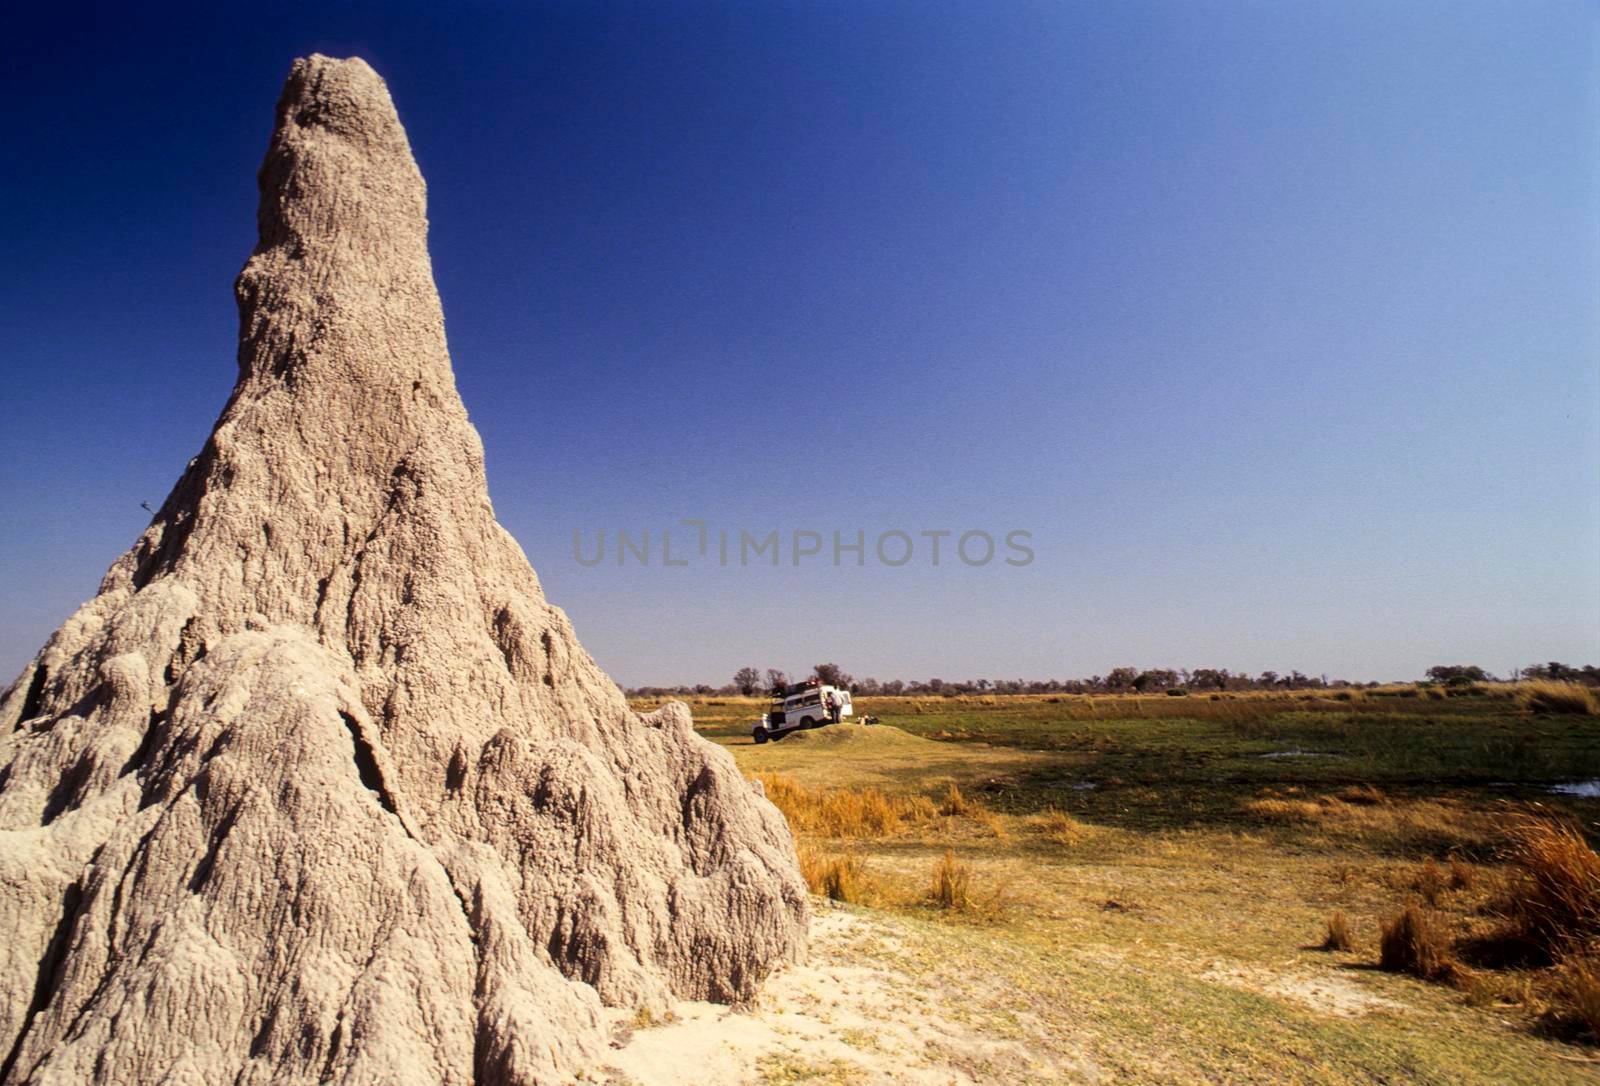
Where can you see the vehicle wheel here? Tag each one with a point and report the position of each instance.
(760, 736)
(807, 722)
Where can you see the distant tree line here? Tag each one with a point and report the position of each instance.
(750, 681)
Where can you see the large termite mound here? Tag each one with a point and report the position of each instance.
(319, 788)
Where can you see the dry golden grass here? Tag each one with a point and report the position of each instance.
(1414, 942)
(1363, 813)
(1431, 881)
(1362, 795)
(844, 813)
(1577, 992)
(1550, 914)
(1339, 936)
(1058, 827)
(1285, 811)
(1558, 697)
(951, 889)
(1555, 901)
(841, 878)
(954, 802)
(996, 825)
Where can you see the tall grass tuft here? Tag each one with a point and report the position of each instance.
(1555, 903)
(954, 802)
(1431, 881)
(1545, 696)
(952, 884)
(1412, 942)
(1578, 992)
(841, 878)
(1339, 936)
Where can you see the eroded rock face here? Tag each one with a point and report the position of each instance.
(319, 788)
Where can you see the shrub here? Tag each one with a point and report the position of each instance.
(1412, 942)
(1462, 875)
(1177, 692)
(1339, 936)
(1558, 697)
(952, 884)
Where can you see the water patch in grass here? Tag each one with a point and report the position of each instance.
(1582, 789)
(1296, 752)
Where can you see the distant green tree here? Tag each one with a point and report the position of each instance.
(748, 680)
(1457, 674)
(832, 675)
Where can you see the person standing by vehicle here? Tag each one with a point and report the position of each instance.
(831, 703)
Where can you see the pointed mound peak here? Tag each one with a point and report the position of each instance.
(339, 157)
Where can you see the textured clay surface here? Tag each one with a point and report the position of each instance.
(319, 788)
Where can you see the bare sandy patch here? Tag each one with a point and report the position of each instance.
(1324, 992)
(853, 1013)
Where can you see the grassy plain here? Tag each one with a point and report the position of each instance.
(1139, 887)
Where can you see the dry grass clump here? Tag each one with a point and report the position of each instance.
(1339, 936)
(1058, 827)
(1287, 811)
(954, 802)
(847, 813)
(995, 824)
(1577, 994)
(1413, 942)
(1557, 697)
(1555, 903)
(952, 884)
(1545, 954)
(951, 891)
(1362, 795)
(841, 878)
(1431, 881)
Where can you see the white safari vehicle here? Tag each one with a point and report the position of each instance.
(802, 705)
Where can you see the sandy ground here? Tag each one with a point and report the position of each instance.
(862, 1010)
(849, 1015)
(1328, 993)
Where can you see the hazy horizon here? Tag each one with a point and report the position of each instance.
(1275, 328)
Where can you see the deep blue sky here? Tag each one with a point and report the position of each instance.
(1275, 324)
